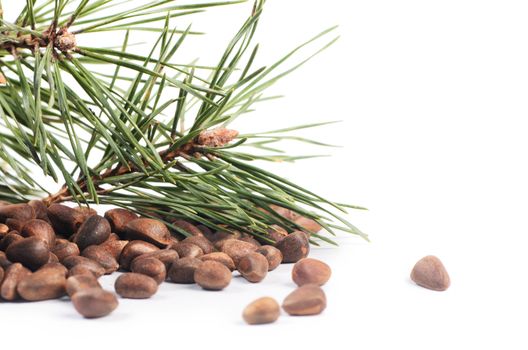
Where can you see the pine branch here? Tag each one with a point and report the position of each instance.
(153, 135)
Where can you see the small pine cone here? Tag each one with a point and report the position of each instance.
(3, 79)
(66, 41)
(216, 137)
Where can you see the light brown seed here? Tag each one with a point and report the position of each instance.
(39, 228)
(220, 257)
(430, 273)
(202, 242)
(32, 252)
(114, 247)
(52, 258)
(237, 249)
(276, 233)
(95, 230)
(94, 302)
(308, 224)
(284, 212)
(182, 270)
(1, 274)
(77, 283)
(46, 283)
(273, 255)
(261, 311)
(119, 218)
(294, 247)
(186, 250)
(12, 276)
(134, 249)
(82, 265)
(212, 275)
(102, 256)
(135, 286)
(149, 230)
(151, 267)
(253, 267)
(306, 300)
(4, 230)
(65, 249)
(311, 271)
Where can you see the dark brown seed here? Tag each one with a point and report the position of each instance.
(4, 261)
(223, 235)
(22, 212)
(114, 247)
(185, 250)
(135, 286)
(251, 240)
(220, 257)
(81, 265)
(15, 224)
(65, 220)
(134, 249)
(77, 283)
(46, 283)
(95, 230)
(32, 252)
(212, 275)
(273, 255)
(182, 270)
(12, 276)
(261, 311)
(151, 267)
(206, 231)
(39, 228)
(306, 300)
(311, 271)
(237, 249)
(94, 302)
(102, 256)
(294, 247)
(202, 242)
(9, 239)
(41, 210)
(253, 267)
(166, 256)
(149, 230)
(187, 227)
(119, 218)
(65, 249)
(430, 273)
(308, 224)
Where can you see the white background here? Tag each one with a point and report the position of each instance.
(432, 95)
